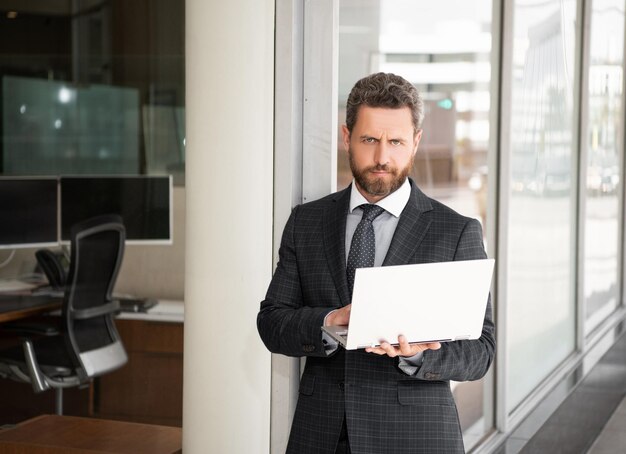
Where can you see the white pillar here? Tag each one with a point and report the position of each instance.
(229, 104)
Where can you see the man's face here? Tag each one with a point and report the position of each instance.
(381, 149)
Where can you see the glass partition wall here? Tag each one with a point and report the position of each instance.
(555, 177)
(420, 41)
(541, 316)
(95, 88)
(604, 143)
(453, 75)
(92, 88)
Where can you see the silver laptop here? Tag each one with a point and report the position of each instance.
(428, 302)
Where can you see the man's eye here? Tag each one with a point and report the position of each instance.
(369, 140)
(395, 142)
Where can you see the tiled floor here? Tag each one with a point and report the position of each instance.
(612, 439)
(585, 413)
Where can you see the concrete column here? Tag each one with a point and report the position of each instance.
(229, 117)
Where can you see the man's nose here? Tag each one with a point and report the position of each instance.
(381, 156)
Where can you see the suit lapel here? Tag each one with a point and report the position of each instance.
(334, 241)
(410, 232)
(411, 229)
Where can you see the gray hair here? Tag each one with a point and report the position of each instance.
(384, 90)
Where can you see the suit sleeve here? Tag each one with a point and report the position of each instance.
(469, 359)
(286, 325)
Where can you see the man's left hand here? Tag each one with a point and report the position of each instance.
(403, 348)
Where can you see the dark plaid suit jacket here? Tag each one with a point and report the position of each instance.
(386, 410)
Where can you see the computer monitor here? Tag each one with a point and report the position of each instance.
(28, 212)
(143, 202)
(54, 128)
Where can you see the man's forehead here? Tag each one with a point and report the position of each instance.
(384, 119)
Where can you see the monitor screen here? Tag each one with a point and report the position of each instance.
(55, 128)
(28, 212)
(143, 202)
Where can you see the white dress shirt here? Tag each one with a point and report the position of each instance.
(384, 228)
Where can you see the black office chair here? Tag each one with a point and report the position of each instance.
(51, 265)
(88, 344)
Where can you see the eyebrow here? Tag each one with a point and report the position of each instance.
(368, 136)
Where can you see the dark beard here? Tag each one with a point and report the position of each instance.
(376, 186)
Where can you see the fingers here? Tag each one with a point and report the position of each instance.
(385, 348)
(339, 316)
(344, 315)
(403, 348)
(433, 346)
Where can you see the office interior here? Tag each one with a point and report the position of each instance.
(93, 93)
(524, 130)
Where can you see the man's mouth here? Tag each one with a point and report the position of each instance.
(380, 171)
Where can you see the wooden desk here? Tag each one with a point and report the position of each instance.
(51, 434)
(15, 306)
(149, 389)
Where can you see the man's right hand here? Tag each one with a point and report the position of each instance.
(339, 317)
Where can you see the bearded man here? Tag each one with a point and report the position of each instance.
(393, 398)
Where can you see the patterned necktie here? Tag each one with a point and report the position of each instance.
(363, 247)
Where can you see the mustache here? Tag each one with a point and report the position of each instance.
(380, 168)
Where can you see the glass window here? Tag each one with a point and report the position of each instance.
(540, 304)
(92, 88)
(420, 41)
(605, 120)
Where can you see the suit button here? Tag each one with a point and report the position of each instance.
(341, 385)
(308, 348)
(431, 376)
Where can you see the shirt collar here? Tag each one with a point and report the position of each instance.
(394, 203)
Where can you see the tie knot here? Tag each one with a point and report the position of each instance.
(371, 212)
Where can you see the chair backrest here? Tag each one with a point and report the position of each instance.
(52, 268)
(97, 249)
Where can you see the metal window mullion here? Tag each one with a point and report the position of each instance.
(502, 211)
(320, 93)
(581, 112)
(622, 193)
(490, 403)
(288, 80)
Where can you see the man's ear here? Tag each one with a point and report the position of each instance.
(416, 140)
(345, 134)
